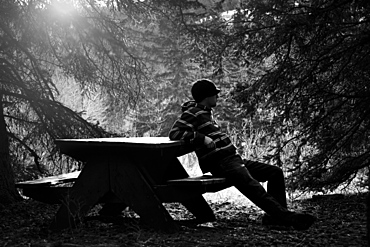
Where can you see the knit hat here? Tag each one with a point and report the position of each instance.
(202, 89)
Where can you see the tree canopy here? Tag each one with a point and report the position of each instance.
(298, 69)
(313, 63)
(84, 40)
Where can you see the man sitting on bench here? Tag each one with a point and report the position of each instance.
(216, 154)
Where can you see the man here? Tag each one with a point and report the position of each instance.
(216, 154)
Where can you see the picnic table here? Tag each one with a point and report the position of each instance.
(141, 173)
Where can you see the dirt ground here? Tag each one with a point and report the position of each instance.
(341, 222)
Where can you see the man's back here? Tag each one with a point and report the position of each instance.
(195, 123)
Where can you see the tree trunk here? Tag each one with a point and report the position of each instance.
(368, 207)
(8, 192)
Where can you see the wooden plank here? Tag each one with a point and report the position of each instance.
(82, 149)
(174, 193)
(196, 204)
(196, 181)
(156, 142)
(49, 181)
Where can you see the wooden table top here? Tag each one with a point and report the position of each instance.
(124, 141)
(83, 148)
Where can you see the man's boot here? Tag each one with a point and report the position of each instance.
(258, 195)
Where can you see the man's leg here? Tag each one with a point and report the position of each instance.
(274, 177)
(234, 170)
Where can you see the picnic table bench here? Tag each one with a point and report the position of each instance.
(52, 189)
(48, 189)
(141, 173)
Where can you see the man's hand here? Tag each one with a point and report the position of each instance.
(209, 142)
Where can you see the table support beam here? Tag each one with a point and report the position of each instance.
(197, 205)
(91, 185)
(129, 185)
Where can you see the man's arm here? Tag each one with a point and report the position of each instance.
(185, 129)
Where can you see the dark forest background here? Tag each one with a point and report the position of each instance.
(294, 76)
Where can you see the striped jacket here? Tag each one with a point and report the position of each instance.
(195, 123)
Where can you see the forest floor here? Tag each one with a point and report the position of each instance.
(341, 222)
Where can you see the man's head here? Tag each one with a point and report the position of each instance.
(203, 89)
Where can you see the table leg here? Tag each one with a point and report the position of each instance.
(129, 185)
(197, 205)
(91, 185)
(200, 209)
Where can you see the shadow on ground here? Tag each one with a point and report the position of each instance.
(341, 222)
